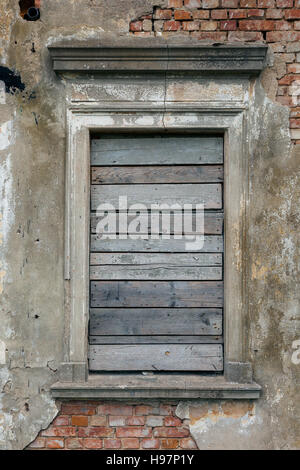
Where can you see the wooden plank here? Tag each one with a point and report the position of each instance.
(213, 222)
(157, 174)
(155, 339)
(156, 272)
(156, 294)
(208, 194)
(156, 150)
(153, 321)
(204, 357)
(164, 259)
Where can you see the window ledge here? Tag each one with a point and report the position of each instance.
(155, 386)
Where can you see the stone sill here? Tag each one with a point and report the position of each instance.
(188, 386)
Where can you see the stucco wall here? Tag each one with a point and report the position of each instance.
(32, 160)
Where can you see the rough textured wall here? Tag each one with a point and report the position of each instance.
(32, 155)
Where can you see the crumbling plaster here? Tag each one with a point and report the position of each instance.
(32, 156)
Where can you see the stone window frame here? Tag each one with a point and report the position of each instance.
(227, 117)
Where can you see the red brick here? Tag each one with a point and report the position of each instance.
(256, 25)
(169, 443)
(150, 443)
(115, 410)
(236, 14)
(190, 25)
(78, 409)
(294, 123)
(284, 3)
(265, 3)
(244, 36)
(117, 420)
(248, 3)
(230, 3)
(172, 421)
(200, 14)
(60, 431)
(219, 14)
(297, 25)
(37, 3)
(288, 79)
(294, 68)
(55, 443)
(182, 15)
(92, 443)
(154, 421)
(163, 14)
(175, 3)
(278, 36)
(208, 25)
(112, 444)
(143, 410)
(292, 14)
(188, 443)
(78, 420)
(74, 443)
(172, 25)
(130, 443)
(210, 4)
(95, 432)
(39, 443)
(143, 34)
(255, 13)
(210, 36)
(170, 432)
(274, 13)
(135, 421)
(98, 420)
(282, 25)
(284, 100)
(192, 3)
(228, 25)
(136, 26)
(133, 432)
(61, 421)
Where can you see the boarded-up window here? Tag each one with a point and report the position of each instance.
(156, 298)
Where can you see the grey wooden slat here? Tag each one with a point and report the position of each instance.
(213, 222)
(153, 321)
(157, 150)
(204, 357)
(156, 294)
(212, 244)
(155, 340)
(208, 194)
(157, 174)
(156, 272)
(164, 259)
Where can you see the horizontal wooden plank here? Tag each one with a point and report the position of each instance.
(155, 339)
(208, 194)
(168, 223)
(212, 244)
(164, 259)
(157, 174)
(200, 357)
(156, 294)
(153, 321)
(156, 272)
(156, 150)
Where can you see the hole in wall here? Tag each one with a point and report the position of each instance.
(28, 10)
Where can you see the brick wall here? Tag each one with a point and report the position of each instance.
(96, 425)
(275, 22)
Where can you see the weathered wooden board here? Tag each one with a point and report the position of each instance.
(164, 259)
(208, 194)
(157, 174)
(153, 321)
(156, 150)
(172, 223)
(212, 244)
(157, 294)
(205, 357)
(156, 272)
(155, 340)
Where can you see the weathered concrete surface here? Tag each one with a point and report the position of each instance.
(32, 154)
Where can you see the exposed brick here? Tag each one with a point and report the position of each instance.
(256, 25)
(229, 3)
(255, 13)
(172, 25)
(219, 14)
(73, 443)
(78, 420)
(292, 14)
(61, 421)
(169, 443)
(55, 443)
(192, 3)
(163, 14)
(210, 3)
(130, 443)
(59, 431)
(115, 410)
(158, 25)
(201, 14)
(175, 3)
(295, 123)
(98, 420)
(78, 409)
(266, 3)
(285, 100)
(237, 14)
(96, 432)
(294, 68)
(147, 25)
(274, 13)
(297, 25)
(182, 15)
(284, 3)
(144, 34)
(92, 443)
(136, 26)
(150, 443)
(288, 58)
(228, 25)
(154, 421)
(172, 421)
(190, 25)
(135, 421)
(208, 25)
(282, 25)
(244, 36)
(112, 444)
(277, 36)
(170, 432)
(133, 432)
(210, 36)
(117, 420)
(143, 410)
(188, 443)
(39, 443)
(295, 133)
(248, 3)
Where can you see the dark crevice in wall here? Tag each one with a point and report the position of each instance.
(11, 79)
(28, 10)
